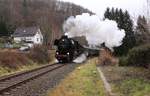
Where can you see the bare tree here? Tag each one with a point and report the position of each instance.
(49, 15)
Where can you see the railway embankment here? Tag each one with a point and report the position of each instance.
(13, 61)
(123, 80)
(83, 81)
(35, 82)
(127, 81)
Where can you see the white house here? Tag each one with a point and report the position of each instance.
(28, 35)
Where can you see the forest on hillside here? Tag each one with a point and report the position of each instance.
(49, 15)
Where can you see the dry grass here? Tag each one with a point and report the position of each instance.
(106, 57)
(7, 71)
(13, 60)
(83, 81)
(52, 56)
(128, 81)
(39, 54)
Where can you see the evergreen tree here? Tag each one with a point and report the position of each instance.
(24, 11)
(117, 15)
(3, 27)
(142, 33)
(120, 19)
(124, 22)
(142, 24)
(107, 13)
(112, 13)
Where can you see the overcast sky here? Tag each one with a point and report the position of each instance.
(135, 7)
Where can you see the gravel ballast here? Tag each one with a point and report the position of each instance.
(39, 86)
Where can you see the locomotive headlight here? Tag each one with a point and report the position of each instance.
(68, 53)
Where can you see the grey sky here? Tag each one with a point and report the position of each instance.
(135, 7)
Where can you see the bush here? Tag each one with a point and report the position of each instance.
(39, 54)
(13, 60)
(123, 61)
(106, 57)
(16, 45)
(138, 56)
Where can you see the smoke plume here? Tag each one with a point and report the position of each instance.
(95, 30)
(81, 58)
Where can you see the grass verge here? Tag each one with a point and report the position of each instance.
(9, 66)
(7, 70)
(133, 87)
(128, 81)
(83, 81)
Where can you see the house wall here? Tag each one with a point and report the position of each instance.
(29, 38)
(38, 38)
(17, 39)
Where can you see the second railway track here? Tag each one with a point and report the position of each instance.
(11, 81)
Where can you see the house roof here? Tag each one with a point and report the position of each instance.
(25, 31)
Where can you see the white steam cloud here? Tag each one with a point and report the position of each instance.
(95, 30)
(81, 58)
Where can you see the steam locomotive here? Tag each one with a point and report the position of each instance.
(67, 49)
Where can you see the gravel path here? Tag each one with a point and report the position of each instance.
(39, 86)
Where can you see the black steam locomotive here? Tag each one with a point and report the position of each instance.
(67, 49)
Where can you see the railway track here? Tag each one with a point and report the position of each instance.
(10, 82)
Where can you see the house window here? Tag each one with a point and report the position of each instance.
(37, 39)
(28, 39)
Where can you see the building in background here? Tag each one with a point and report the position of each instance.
(30, 35)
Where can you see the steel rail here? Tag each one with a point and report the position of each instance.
(21, 74)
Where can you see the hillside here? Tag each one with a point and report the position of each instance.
(48, 14)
